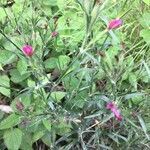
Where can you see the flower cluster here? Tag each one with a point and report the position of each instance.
(114, 24)
(27, 50)
(114, 109)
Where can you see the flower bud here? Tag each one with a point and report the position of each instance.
(114, 109)
(28, 50)
(54, 34)
(114, 24)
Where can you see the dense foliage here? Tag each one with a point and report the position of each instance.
(74, 74)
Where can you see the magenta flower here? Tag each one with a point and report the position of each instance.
(27, 50)
(114, 24)
(54, 34)
(111, 106)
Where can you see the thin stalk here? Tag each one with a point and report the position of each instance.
(104, 42)
(1, 32)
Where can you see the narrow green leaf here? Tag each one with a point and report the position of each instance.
(133, 95)
(147, 68)
(143, 126)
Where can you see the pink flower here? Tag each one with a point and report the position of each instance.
(114, 24)
(28, 50)
(54, 34)
(111, 106)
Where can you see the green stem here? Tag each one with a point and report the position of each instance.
(1, 32)
(104, 42)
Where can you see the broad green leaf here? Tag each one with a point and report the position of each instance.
(13, 138)
(47, 139)
(25, 98)
(17, 8)
(16, 77)
(144, 20)
(133, 80)
(62, 127)
(58, 96)
(37, 135)
(22, 66)
(3, 14)
(145, 33)
(10, 121)
(31, 83)
(51, 63)
(63, 61)
(7, 57)
(47, 124)
(5, 85)
(147, 2)
(26, 143)
(61, 4)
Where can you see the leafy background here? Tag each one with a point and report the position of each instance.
(59, 95)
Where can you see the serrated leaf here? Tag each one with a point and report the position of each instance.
(62, 128)
(37, 135)
(26, 143)
(10, 121)
(47, 139)
(13, 138)
(47, 124)
(58, 95)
